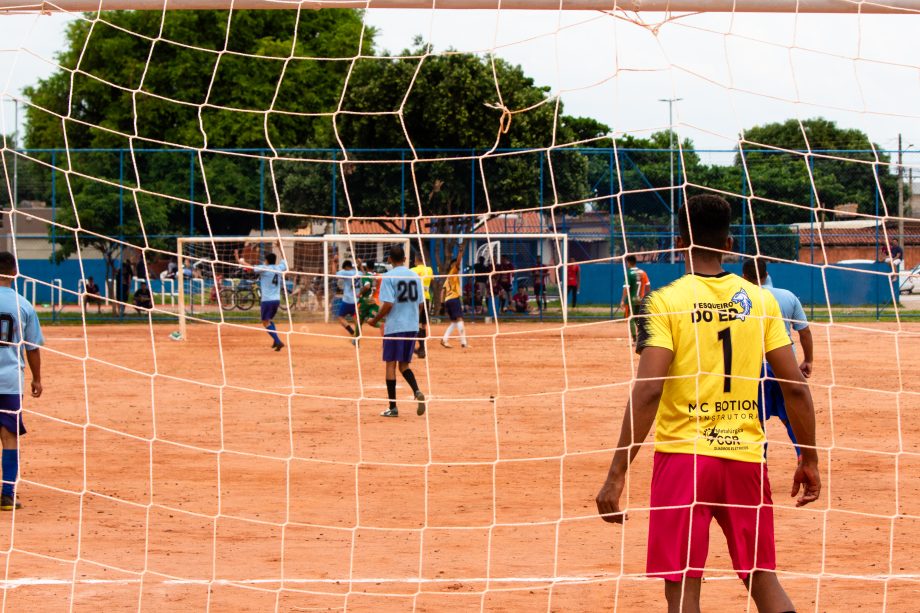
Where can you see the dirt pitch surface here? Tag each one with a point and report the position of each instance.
(215, 474)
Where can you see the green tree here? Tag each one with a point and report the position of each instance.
(455, 110)
(841, 169)
(144, 80)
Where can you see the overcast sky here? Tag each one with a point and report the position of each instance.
(732, 71)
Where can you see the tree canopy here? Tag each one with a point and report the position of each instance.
(270, 111)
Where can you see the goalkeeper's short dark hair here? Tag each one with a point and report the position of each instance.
(705, 221)
(7, 264)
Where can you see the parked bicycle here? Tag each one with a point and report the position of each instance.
(242, 294)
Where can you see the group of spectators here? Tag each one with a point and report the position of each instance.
(499, 278)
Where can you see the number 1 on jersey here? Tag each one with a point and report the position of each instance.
(726, 337)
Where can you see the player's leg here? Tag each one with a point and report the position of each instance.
(678, 532)
(391, 411)
(11, 427)
(346, 310)
(409, 376)
(633, 321)
(683, 596)
(268, 311)
(449, 309)
(462, 330)
(422, 329)
(746, 518)
(768, 594)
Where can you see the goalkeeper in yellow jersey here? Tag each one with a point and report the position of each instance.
(702, 340)
(425, 273)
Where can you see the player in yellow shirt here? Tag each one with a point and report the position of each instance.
(450, 296)
(702, 340)
(426, 273)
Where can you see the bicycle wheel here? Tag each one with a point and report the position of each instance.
(245, 299)
(227, 299)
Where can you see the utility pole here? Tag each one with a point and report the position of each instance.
(671, 102)
(900, 193)
(16, 153)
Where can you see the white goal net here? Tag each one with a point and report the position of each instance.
(177, 148)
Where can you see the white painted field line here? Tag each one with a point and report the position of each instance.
(36, 581)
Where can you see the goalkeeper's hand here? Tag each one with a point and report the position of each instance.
(36, 388)
(608, 500)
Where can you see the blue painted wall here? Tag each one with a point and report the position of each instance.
(857, 284)
(68, 272)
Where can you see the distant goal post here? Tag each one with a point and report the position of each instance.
(632, 6)
(209, 266)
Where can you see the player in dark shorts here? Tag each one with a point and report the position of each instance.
(400, 295)
(453, 306)
(20, 338)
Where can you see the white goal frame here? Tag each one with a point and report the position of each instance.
(285, 242)
(633, 6)
(560, 239)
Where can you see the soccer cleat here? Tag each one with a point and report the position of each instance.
(390, 413)
(421, 402)
(445, 344)
(176, 336)
(354, 342)
(420, 352)
(278, 346)
(8, 503)
(465, 345)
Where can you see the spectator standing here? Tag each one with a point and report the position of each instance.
(573, 277)
(539, 287)
(480, 283)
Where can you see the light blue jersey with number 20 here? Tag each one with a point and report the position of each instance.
(402, 288)
(18, 322)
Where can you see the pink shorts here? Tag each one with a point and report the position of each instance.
(736, 494)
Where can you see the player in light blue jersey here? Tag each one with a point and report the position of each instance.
(271, 279)
(349, 277)
(400, 295)
(771, 396)
(20, 334)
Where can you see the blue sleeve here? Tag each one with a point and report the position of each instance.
(799, 320)
(387, 293)
(31, 329)
(282, 266)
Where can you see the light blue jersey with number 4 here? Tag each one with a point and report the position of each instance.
(18, 322)
(403, 289)
(270, 280)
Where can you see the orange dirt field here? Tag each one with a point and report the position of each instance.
(215, 474)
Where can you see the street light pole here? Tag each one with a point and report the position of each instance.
(671, 102)
(900, 192)
(15, 152)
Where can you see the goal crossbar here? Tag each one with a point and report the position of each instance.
(654, 6)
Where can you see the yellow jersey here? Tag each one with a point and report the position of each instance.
(452, 287)
(425, 273)
(719, 328)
